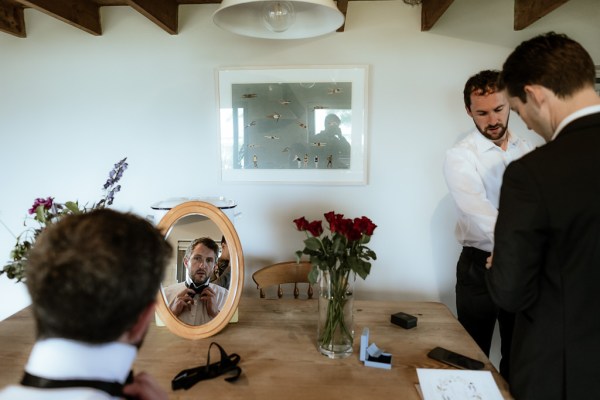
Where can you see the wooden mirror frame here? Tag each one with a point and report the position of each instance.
(214, 326)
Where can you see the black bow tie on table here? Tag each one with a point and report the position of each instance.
(115, 389)
(228, 364)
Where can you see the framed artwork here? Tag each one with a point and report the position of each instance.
(293, 124)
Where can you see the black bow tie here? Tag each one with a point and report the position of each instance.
(197, 289)
(115, 389)
(227, 365)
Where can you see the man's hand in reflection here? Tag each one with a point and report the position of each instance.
(183, 301)
(208, 298)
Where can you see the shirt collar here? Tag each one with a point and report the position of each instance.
(57, 358)
(577, 114)
(485, 144)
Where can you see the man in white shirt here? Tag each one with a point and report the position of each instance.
(93, 280)
(197, 301)
(473, 169)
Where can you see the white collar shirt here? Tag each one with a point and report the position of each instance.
(473, 170)
(67, 359)
(573, 116)
(198, 313)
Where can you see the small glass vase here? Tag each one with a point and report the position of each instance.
(335, 335)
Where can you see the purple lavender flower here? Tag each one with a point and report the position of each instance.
(116, 174)
(46, 212)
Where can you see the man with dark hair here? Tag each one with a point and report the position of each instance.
(222, 273)
(331, 141)
(197, 301)
(93, 280)
(546, 264)
(473, 170)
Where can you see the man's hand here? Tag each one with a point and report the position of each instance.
(208, 298)
(183, 301)
(145, 387)
(488, 261)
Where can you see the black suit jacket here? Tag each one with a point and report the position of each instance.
(546, 265)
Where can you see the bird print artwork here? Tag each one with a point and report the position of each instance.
(276, 116)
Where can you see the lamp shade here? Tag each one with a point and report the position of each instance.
(309, 18)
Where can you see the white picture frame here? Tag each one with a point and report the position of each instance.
(272, 124)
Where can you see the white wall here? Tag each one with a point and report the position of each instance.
(72, 104)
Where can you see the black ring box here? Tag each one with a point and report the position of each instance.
(404, 320)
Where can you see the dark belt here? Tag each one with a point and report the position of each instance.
(479, 256)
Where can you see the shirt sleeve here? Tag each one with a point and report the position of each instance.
(468, 191)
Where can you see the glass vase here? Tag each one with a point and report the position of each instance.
(336, 320)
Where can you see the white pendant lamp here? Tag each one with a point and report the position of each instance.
(279, 19)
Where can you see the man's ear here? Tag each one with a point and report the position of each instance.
(535, 94)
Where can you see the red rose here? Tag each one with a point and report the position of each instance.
(330, 217)
(364, 225)
(301, 224)
(315, 228)
(336, 221)
(370, 228)
(353, 234)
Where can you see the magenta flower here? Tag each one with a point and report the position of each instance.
(47, 203)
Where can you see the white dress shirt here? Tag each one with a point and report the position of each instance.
(473, 169)
(67, 359)
(198, 313)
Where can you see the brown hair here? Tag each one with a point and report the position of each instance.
(482, 83)
(551, 60)
(91, 275)
(206, 241)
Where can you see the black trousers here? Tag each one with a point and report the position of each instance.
(476, 310)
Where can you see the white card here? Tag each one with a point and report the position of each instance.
(452, 384)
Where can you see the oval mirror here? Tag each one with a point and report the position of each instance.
(183, 224)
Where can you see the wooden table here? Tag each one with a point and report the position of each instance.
(276, 340)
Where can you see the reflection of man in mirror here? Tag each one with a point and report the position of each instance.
(222, 272)
(330, 141)
(196, 301)
(93, 280)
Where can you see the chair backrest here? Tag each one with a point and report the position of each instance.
(281, 273)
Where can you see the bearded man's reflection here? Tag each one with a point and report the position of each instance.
(196, 301)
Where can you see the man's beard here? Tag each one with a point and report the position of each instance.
(198, 281)
(492, 137)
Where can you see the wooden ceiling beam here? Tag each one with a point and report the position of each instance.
(12, 19)
(162, 12)
(431, 11)
(529, 11)
(84, 15)
(342, 5)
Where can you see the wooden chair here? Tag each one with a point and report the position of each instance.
(281, 273)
